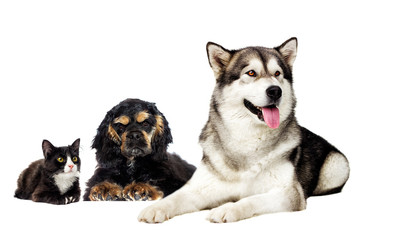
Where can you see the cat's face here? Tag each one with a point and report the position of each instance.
(62, 159)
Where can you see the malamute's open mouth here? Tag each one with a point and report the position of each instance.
(268, 114)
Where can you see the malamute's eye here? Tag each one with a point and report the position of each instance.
(277, 73)
(251, 73)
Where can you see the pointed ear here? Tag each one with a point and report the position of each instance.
(288, 50)
(76, 145)
(47, 148)
(218, 58)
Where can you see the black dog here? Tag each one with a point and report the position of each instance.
(133, 162)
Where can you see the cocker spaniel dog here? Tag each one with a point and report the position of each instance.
(131, 151)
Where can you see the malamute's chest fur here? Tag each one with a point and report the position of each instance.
(247, 154)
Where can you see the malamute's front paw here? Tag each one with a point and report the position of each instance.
(229, 212)
(156, 213)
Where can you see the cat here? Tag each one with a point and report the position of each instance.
(54, 179)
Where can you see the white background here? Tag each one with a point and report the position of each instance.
(64, 64)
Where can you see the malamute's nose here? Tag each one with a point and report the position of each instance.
(274, 92)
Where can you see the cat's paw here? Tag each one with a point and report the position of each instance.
(141, 192)
(70, 199)
(106, 191)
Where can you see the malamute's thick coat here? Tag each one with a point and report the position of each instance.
(256, 157)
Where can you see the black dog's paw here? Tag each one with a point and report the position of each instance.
(141, 192)
(106, 191)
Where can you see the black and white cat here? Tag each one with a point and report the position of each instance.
(54, 179)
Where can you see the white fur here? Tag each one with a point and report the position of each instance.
(272, 190)
(333, 174)
(65, 180)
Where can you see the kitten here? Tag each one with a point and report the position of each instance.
(54, 179)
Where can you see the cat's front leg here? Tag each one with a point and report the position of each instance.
(74, 194)
(48, 197)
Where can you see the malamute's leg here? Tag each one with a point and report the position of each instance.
(205, 191)
(202, 191)
(333, 174)
(277, 200)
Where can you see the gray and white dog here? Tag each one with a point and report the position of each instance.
(257, 159)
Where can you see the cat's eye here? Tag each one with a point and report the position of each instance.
(60, 159)
(75, 159)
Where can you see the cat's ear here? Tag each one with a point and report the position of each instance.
(47, 148)
(76, 145)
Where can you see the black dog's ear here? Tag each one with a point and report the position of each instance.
(102, 131)
(162, 135)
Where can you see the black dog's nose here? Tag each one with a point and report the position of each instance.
(134, 135)
(274, 92)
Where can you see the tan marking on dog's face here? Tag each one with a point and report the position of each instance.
(123, 138)
(113, 135)
(147, 138)
(124, 120)
(141, 116)
(159, 126)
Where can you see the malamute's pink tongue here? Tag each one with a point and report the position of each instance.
(271, 116)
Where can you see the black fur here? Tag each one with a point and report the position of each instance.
(137, 160)
(312, 153)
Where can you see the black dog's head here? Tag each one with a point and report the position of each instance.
(132, 129)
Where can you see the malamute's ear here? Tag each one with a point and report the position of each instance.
(288, 50)
(218, 58)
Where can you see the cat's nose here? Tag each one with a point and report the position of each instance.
(71, 166)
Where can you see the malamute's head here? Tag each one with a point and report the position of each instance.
(254, 82)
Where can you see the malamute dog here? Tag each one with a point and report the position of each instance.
(256, 157)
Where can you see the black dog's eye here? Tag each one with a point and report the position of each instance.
(251, 73)
(277, 73)
(145, 124)
(120, 127)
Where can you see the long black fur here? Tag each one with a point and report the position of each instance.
(168, 172)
